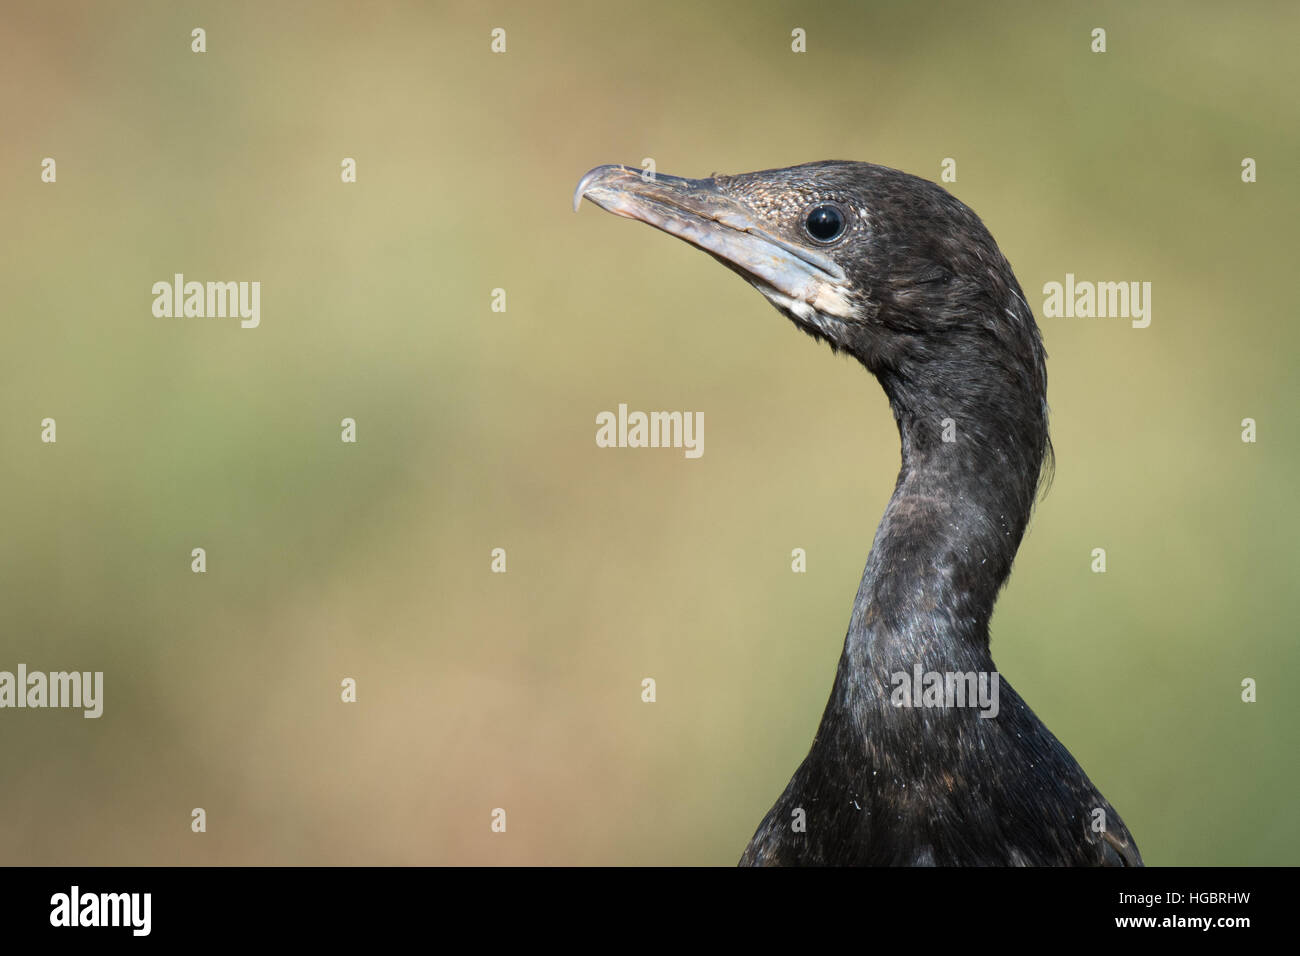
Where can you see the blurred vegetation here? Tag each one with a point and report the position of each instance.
(476, 428)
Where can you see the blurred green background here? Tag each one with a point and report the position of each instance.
(476, 429)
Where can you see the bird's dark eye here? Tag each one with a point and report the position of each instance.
(825, 223)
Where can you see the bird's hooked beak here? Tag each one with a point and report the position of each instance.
(796, 278)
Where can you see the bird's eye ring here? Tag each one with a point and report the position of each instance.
(825, 222)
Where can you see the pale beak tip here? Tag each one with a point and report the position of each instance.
(589, 179)
(583, 185)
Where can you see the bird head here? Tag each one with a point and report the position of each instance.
(883, 265)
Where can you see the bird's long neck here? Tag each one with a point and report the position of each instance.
(971, 457)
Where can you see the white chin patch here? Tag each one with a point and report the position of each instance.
(804, 312)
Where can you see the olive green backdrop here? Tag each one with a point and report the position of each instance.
(476, 428)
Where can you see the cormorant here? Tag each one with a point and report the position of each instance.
(924, 756)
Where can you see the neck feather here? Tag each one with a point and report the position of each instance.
(971, 461)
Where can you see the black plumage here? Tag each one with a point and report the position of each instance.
(896, 272)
